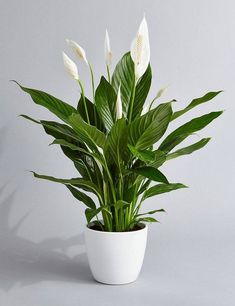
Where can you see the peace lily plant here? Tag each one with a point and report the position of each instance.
(117, 142)
(116, 139)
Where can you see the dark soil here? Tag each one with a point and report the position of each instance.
(96, 227)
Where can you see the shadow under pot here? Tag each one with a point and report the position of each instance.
(115, 258)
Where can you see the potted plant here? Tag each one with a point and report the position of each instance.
(117, 143)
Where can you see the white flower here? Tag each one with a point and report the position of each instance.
(119, 104)
(149, 105)
(145, 110)
(107, 49)
(161, 92)
(78, 50)
(140, 49)
(70, 67)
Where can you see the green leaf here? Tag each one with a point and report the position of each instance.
(177, 136)
(207, 97)
(144, 187)
(159, 159)
(81, 196)
(161, 188)
(88, 134)
(149, 128)
(69, 144)
(83, 161)
(91, 213)
(81, 166)
(151, 212)
(92, 112)
(121, 204)
(152, 174)
(189, 149)
(141, 92)
(30, 118)
(124, 74)
(59, 108)
(57, 130)
(147, 219)
(61, 131)
(116, 143)
(129, 192)
(105, 100)
(65, 143)
(144, 155)
(78, 182)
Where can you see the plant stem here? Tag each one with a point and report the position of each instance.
(93, 90)
(92, 80)
(108, 72)
(84, 100)
(130, 110)
(105, 216)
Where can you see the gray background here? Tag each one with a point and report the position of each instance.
(190, 255)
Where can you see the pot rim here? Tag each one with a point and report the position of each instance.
(144, 228)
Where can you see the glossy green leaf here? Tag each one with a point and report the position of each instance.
(195, 102)
(144, 187)
(30, 118)
(105, 100)
(177, 136)
(116, 143)
(159, 159)
(57, 130)
(88, 134)
(151, 212)
(149, 128)
(81, 196)
(152, 174)
(83, 163)
(124, 74)
(161, 188)
(189, 149)
(144, 155)
(92, 113)
(65, 143)
(67, 138)
(91, 213)
(121, 204)
(147, 219)
(78, 182)
(59, 108)
(141, 92)
(129, 192)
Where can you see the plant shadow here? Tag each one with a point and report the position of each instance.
(24, 262)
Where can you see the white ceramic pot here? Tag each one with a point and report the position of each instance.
(116, 258)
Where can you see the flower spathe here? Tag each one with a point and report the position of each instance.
(77, 49)
(119, 104)
(70, 66)
(140, 50)
(107, 49)
(147, 107)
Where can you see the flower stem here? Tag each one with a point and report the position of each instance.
(93, 90)
(108, 72)
(84, 100)
(130, 110)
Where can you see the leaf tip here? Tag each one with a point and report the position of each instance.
(14, 81)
